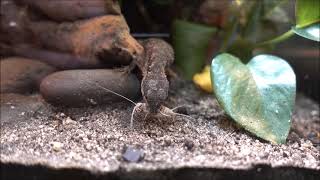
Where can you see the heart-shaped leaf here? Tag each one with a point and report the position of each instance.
(259, 96)
(311, 32)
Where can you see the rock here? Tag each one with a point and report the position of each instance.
(106, 38)
(76, 88)
(69, 121)
(60, 10)
(18, 107)
(56, 146)
(12, 24)
(20, 75)
(188, 144)
(133, 155)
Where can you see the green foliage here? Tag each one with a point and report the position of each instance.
(190, 42)
(308, 19)
(307, 12)
(307, 22)
(259, 96)
(254, 21)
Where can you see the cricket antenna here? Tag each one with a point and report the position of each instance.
(98, 85)
(136, 104)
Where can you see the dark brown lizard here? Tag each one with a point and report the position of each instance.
(157, 57)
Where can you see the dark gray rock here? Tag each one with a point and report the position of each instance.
(76, 88)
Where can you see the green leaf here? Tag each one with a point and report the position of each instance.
(311, 32)
(259, 96)
(307, 12)
(308, 18)
(190, 42)
(254, 21)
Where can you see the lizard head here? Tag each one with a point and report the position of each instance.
(155, 91)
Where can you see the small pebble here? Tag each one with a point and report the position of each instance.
(167, 142)
(69, 121)
(133, 155)
(88, 147)
(57, 146)
(189, 144)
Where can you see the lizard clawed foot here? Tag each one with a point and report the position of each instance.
(126, 70)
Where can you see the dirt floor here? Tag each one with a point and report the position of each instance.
(99, 140)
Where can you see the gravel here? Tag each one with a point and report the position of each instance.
(95, 138)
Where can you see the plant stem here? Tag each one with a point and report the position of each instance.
(278, 39)
(228, 36)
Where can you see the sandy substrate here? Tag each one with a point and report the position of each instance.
(95, 138)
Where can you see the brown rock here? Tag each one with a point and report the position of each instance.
(12, 28)
(61, 61)
(106, 38)
(85, 43)
(77, 88)
(60, 10)
(20, 75)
